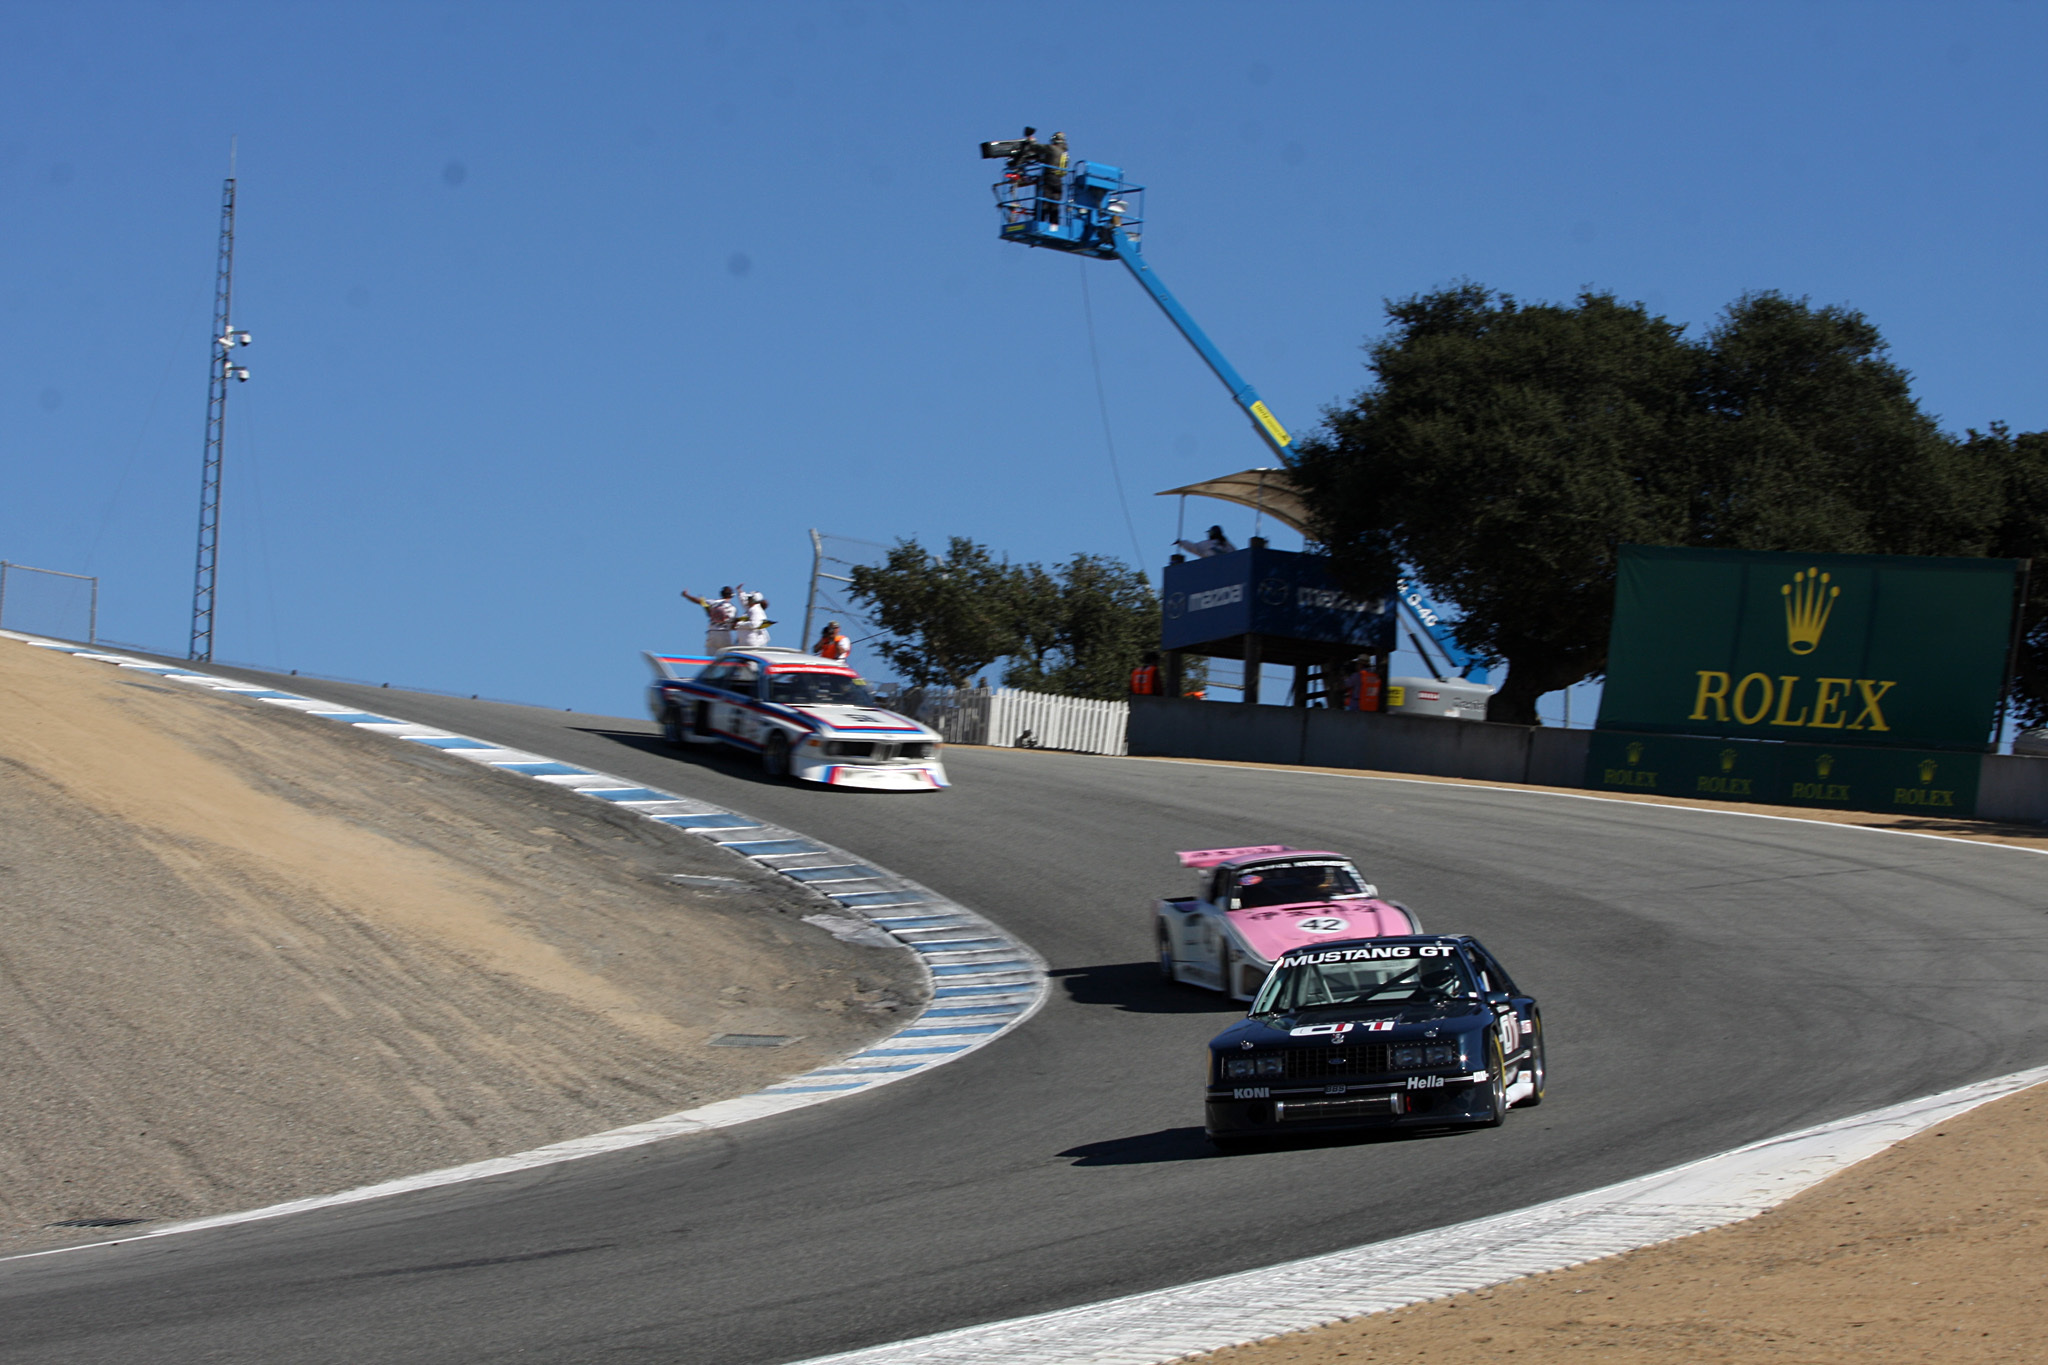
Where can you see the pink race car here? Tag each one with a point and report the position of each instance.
(1253, 904)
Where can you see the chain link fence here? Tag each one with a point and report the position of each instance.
(833, 560)
(63, 606)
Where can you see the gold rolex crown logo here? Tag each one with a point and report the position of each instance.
(1635, 753)
(1808, 600)
(1824, 765)
(1927, 767)
(1728, 757)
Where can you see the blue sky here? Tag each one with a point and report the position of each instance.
(559, 309)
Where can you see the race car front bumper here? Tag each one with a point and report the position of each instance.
(1411, 1101)
(898, 777)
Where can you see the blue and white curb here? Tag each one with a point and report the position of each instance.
(984, 983)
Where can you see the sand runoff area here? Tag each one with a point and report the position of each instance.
(248, 955)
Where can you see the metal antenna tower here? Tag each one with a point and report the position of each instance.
(222, 369)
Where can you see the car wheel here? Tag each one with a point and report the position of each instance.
(1535, 1096)
(1496, 1085)
(775, 755)
(1229, 969)
(1165, 937)
(672, 727)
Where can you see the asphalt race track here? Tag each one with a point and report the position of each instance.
(1706, 980)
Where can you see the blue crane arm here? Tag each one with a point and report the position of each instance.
(1416, 603)
(1413, 600)
(1089, 209)
(1241, 391)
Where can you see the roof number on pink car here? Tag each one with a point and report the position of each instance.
(1322, 924)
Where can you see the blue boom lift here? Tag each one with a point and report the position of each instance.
(1088, 208)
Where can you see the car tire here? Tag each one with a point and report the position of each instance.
(775, 755)
(1164, 938)
(1496, 1085)
(1230, 970)
(1232, 1145)
(673, 728)
(1535, 1096)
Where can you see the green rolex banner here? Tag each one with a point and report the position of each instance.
(1911, 781)
(1836, 650)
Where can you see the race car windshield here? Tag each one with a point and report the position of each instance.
(1404, 981)
(818, 689)
(1296, 883)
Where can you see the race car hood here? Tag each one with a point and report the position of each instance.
(1271, 930)
(865, 722)
(1320, 1028)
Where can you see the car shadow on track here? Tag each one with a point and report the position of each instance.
(724, 761)
(1136, 988)
(1188, 1144)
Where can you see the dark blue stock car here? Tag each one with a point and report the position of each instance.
(1421, 1031)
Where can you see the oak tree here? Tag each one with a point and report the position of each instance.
(1505, 451)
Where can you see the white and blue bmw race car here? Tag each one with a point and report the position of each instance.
(805, 716)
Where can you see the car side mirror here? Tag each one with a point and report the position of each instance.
(1498, 999)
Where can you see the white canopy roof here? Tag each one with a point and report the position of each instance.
(1271, 491)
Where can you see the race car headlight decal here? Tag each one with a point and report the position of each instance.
(1415, 1056)
(1237, 1068)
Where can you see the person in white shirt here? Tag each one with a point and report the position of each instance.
(719, 618)
(1216, 544)
(752, 630)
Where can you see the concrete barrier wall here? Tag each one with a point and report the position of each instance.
(1164, 727)
(1432, 745)
(1557, 758)
(2013, 787)
(1173, 727)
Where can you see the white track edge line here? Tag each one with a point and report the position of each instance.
(1233, 1310)
(778, 1098)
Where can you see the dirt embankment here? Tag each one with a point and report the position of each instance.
(1936, 1250)
(247, 956)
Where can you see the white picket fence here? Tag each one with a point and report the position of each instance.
(1012, 719)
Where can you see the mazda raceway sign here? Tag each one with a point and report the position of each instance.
(1861, 682)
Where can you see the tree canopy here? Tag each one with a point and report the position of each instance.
(2019, 467)
(1077, 629)
(1505, 450)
